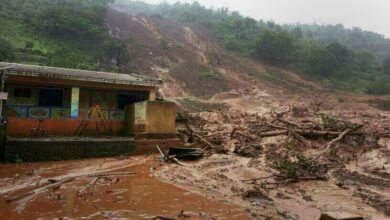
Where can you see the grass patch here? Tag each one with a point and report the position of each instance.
(211, 74)
(179, 45)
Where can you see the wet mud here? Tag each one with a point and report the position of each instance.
(138, 196)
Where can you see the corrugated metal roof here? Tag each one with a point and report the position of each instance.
(82, 75)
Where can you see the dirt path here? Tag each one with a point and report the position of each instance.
(136, 197)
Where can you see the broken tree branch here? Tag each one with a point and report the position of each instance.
(274, 133)
(90, 185)
(275, 126)
(107, 174)
(290, 123)
(41, 189)
(299, 138)
(244, 135)
(162, 154)
(54, 183)
(204, 140)
(340, 137)
(178, 161)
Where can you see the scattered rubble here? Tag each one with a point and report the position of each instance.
(259, 159)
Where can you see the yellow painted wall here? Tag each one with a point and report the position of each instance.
(161, 117)
(152, 93)
(151, 117)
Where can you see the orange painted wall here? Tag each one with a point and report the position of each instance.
(21, 127)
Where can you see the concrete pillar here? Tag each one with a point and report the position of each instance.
(152, 94)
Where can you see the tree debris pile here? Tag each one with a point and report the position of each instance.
(243, 133)
(268, 163)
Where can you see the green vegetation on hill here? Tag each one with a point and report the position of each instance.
(63, 33)
(351, 60)
(72, 33)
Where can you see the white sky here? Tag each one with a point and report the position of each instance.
(371, 15)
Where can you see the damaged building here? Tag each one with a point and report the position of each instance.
(56, 102)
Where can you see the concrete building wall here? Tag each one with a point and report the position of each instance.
(161, 117)
(151, 118)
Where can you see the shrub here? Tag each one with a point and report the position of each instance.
(211, 74)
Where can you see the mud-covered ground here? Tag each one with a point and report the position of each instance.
(229, 184)
(218, 186)
(357, 171)
(137, 196)
(224, 176)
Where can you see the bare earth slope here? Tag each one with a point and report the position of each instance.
(190, 60)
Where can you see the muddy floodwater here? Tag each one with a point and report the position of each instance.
(138, 196)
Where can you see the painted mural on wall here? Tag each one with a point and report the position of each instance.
(105, 99)
(39, 113)
(16, 111)
(76, 103)
(60, 113)
(117, 115)
(105, 115)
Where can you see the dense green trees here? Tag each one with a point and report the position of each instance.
(319, 61)
(7, 51)
(349, 59)
(63, 21)
(364, 60)
(64, 33)
(116, 53)
(275, 46)
(71, 33)
(342, 55)
(386, 66)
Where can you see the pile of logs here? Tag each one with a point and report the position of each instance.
(216, 130)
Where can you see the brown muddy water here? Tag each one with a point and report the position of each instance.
(138, 196)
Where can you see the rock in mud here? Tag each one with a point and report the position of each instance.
(256, 195)
(251, 150)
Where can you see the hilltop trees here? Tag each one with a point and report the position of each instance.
(68, 22)
(342, 55)
(386, 66)
(364, 60)
(346, 58)
(320, 61)
(274, 46)
(7, 51)
(63, 33)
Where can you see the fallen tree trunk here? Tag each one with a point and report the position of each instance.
(57, 183)
(307, 132)
(41, 189)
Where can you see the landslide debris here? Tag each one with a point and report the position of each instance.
(286, 164)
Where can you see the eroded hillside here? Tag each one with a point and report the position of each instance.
(191, 62)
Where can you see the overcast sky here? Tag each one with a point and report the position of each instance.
(371, 15)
